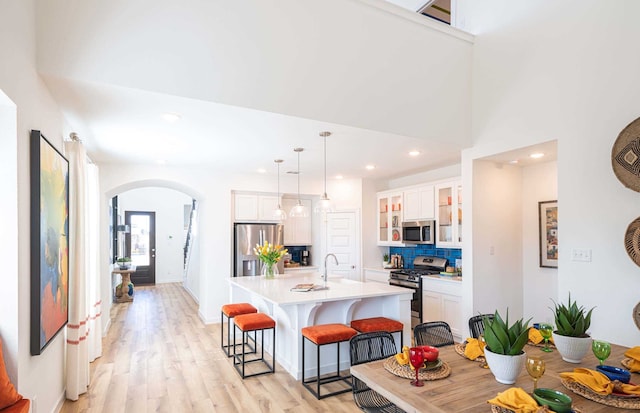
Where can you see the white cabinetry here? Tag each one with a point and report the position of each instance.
(254, 207)
(449, 214)
(375, 275)
(389, 218)
(297, 231)
(442, 301)
(418, 203)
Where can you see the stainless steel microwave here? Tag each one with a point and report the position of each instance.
(418, 232)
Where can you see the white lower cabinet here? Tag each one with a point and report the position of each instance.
(442, 301)
(375, 275)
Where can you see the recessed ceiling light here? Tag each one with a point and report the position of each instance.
(536, 155)
(370, 167)
(414, 153)
(339, 177)
(161, 161)
(171, 117)
(262, 171)
(513, 161)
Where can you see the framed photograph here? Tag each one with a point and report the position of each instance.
(49, 242)
(548, 226)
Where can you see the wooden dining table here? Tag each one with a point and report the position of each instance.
(469, 385)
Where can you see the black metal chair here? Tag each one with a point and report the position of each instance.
(366, 347)
(433, 333)
(476, 324)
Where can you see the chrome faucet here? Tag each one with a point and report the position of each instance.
(324, 274)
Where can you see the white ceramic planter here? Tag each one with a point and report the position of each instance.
(505, 369)
(572, 349)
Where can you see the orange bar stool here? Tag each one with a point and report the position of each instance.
(229, 311)
(322, 335)
(369, 325)
(248, 323)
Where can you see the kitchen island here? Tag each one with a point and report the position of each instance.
(343, 301)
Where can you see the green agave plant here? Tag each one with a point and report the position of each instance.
(571, 320)
(504, 339)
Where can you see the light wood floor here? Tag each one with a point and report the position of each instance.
(158, 356)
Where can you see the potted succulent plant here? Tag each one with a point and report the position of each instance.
(385, 260)
(504, 349)
(570, 337)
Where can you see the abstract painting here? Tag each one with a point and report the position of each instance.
(548, 225)
(49, 242)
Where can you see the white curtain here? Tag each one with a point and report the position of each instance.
(84, 330)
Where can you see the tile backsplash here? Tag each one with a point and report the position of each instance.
(409, 253)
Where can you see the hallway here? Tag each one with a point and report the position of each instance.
(158, 356)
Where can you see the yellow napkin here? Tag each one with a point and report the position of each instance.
(515, 399)
(594, 380)
(628, 389)
(534, 336)
(474, 348)
(403, 358)
(634, 354)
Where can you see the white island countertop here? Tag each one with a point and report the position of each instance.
(277, 290)
(345, 300)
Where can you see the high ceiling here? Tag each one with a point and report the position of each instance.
(249, 83)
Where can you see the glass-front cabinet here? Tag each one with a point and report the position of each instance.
(390, 218)
(449, 215)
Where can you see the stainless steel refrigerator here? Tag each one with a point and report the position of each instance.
(245, 238)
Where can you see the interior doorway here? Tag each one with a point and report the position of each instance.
(343, 241)
(141, 245)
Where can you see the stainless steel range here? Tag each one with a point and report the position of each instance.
(412, 278)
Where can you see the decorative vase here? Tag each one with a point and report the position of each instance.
(505, 368)
(572, 349)
(270, 270)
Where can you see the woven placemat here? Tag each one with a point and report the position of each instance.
(623, 402)
(459, 348)
(500, 409)
(392, 366)
(625, 156)
(632, 240)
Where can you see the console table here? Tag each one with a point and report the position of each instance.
(121, 294)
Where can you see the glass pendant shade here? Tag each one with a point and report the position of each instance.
(299, 210)
(324, 205)
(279, 213)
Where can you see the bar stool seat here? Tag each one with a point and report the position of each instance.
(320, 335)
(254, 322)
(230, 311)
(369, 325)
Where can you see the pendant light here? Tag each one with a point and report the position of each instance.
(279, 214)
(324, 205)
(299, 210)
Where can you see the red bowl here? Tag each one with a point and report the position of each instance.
(430, 353)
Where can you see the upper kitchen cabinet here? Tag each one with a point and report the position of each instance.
(449, 214)
(253, 207)
(389, 218)
(297, 231)
(419, 203)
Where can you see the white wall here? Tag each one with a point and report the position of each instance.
(540, 183)
(562, 70)
(40, 376)
(168, 204)
(495, 220)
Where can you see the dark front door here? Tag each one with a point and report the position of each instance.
(141, 245)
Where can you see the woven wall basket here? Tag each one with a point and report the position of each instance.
(625, 156)
(632, 240)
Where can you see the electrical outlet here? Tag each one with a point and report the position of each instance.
(581, 255)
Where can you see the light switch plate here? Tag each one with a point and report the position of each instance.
(636, 315)
(579, 254)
